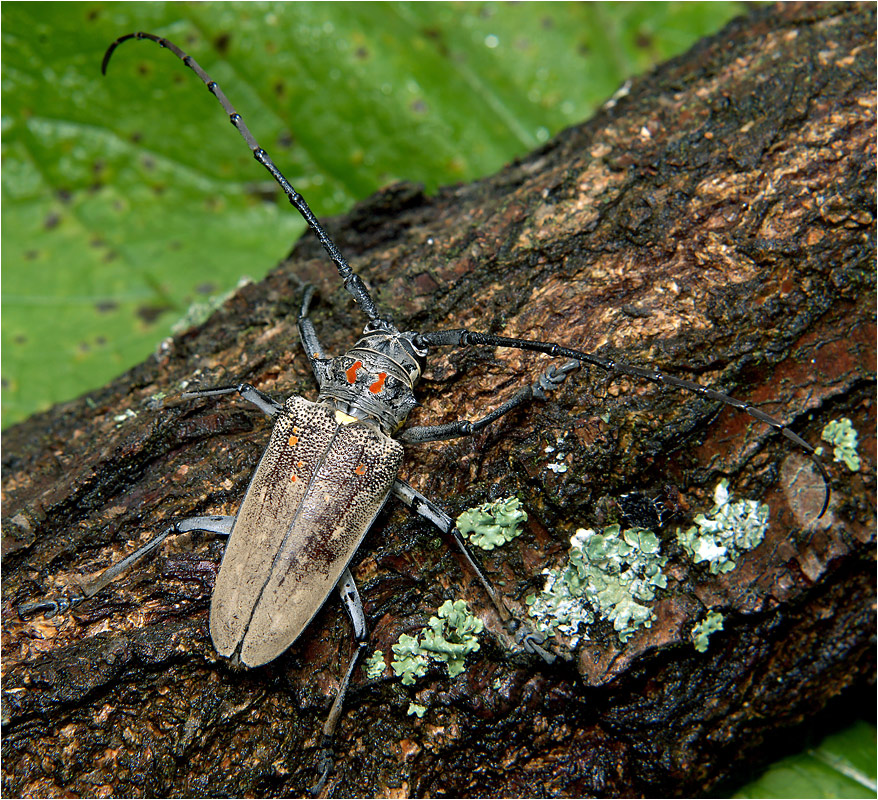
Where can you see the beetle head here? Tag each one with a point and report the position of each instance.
(381, 338)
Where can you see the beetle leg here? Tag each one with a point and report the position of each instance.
(307, 333)
(350, 597)
(550, 380)
(49, 608)
(528, 639)
(251, 394)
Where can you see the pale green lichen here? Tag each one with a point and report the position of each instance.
(701, 632)
(417, 710)
(375, 665)
(562, 605)
(729, 529)
(841, 435)
(452, 635)
(410, 662)
(492, 525)
(611, 573)
(448, 638)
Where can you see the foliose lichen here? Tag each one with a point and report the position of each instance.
(416, 709)
(448, 638)
(410, 662)
(841, 435)
(562, 604)
(726, 531)
(492, 525)
(611, 574)
(712, 623)
(375, 665)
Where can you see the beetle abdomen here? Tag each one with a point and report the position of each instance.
(322, 480)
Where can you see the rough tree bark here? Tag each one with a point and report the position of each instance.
(718, 222)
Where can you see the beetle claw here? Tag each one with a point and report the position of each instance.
(325, 763)
(49, 608)
(531, 641)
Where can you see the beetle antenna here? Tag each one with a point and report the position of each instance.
(352, 281)
(464, 338)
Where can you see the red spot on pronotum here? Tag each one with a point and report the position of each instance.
(351, 371)
(361, 470)
(293, 441)
(377, 386)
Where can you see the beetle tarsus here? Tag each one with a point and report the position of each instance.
(325, 765)
(552, 378)
(532, 642)
(49, 608)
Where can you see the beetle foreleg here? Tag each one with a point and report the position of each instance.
(530, 640)
(310, 341)
(350, 598)
(215, 524)
(250, 393)
(550, 380)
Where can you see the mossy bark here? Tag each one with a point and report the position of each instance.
(716, 222)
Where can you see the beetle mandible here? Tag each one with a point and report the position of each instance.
(331, 464)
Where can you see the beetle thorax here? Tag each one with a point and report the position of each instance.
(375, 379)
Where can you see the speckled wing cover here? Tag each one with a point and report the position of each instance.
(316, 491)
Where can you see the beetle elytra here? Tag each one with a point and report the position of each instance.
(331, 464)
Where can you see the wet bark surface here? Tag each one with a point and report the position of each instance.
(717, 222)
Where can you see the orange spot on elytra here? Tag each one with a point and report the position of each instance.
(300, 464)
(351, 371)
(293, 478)
(293, 441)
(377, 386)
(361, 470)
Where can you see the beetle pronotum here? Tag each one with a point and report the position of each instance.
(332, 464)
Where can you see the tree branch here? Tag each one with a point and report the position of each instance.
(716, 222)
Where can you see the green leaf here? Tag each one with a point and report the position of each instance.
(128, 198)
(842, 765)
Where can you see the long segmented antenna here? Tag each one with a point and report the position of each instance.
(352, 281)
(463, 338)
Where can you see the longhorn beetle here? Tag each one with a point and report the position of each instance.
(330, 466)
